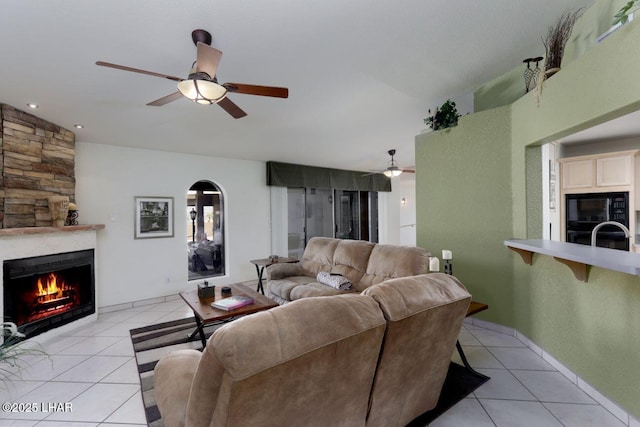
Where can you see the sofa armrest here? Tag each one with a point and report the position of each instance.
(173, 376)
(280, 271)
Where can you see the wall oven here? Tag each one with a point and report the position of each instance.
(584, 211)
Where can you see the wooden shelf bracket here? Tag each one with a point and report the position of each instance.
(580, 270)
(527, 256)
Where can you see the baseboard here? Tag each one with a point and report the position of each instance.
(606, 403)
(139, 303)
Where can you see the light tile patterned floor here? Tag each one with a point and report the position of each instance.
(93, 369)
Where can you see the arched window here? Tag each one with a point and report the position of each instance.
(205, 230)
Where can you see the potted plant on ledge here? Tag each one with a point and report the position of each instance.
(445, 117)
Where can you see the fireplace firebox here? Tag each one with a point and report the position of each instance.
(46, 292)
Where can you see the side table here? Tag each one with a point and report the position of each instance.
(261, 264)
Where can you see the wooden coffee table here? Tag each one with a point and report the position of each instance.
(205, 314)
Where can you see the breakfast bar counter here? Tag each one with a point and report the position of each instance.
(577, 257)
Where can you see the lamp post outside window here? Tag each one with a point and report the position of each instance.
(193, 216)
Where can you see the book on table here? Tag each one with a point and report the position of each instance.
(232, 303)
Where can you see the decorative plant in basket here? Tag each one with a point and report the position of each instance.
(556, 40)
(554, 44)
(445, 117)
(14, 352)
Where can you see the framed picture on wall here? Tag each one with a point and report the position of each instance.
(153, 217)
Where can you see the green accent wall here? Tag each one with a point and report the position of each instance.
(480, 183)
(463, 203)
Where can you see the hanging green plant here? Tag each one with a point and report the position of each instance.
(445, 117)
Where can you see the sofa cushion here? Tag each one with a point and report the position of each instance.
(315, 289)
(282, 288)
(391, 261)
(424, 317)
(311, 361)
(282, 270)
(173, 376)
(318, 255)
(350, 259)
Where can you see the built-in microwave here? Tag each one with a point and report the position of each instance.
(584, 211)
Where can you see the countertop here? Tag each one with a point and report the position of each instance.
(612, 259)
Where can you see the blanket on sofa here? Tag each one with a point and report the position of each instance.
(337, 281)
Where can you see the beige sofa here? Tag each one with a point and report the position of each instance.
(362, 263)
(373, 359)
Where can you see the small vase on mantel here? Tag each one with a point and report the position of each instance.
(58, 208)
(72, 215)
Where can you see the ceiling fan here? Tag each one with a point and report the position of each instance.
(201, 85)
(392, 169)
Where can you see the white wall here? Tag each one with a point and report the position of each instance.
(407, 191)
(397, 222)
(109, 177)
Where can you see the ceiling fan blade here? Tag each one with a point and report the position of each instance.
(230, 107)
(277, 92)
(208, 59)
(165, 99)
(137, 70)
(409, 170)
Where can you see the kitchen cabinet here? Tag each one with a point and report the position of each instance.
(613, 171)
(578, 174)
(598, 173)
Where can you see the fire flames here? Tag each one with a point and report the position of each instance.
(49, 287)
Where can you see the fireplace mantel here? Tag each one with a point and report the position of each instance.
(43, 230)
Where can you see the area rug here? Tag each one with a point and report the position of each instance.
(150, 343)
(460, 382)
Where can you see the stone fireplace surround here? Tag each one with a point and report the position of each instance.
(36, 241)
(37, 161)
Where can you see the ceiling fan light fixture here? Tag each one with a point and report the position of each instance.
(202, 91)
(392, 172)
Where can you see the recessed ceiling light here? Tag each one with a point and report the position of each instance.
(32, 105)
(78, 126)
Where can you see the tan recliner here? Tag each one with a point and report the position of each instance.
(424, 316)
(307, 363)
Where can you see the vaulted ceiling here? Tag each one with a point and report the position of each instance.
(361, 74)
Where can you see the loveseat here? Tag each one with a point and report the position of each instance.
(378, 358)
(361, 263)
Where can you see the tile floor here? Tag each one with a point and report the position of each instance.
(93, 369)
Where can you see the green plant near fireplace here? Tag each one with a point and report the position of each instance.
(445, 117)
(14, 352)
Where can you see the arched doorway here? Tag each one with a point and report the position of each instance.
(205, 230)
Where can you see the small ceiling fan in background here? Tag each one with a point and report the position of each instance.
(201, 85)
(392, 169)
